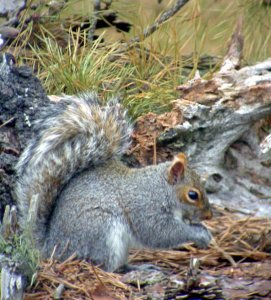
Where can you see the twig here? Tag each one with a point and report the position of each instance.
(154, 150)
(150, 29)
(224, 253)
(97, 276)
(96, 10)
(59, 291)
(233, 57)
(162, 19)
(7, 122)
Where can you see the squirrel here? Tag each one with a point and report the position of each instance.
(75, 195)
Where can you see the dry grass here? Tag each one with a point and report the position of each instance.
(81, 280)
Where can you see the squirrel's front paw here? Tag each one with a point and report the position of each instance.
(203, 237)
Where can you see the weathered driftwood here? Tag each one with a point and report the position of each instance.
(265, 146)
(219, 131)
(12, 286)
(12, 282)
(9, 223)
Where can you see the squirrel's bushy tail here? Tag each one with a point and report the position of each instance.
(73, 134)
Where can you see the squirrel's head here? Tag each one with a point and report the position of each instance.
(189, 190)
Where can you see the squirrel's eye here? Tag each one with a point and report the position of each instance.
(193, 195)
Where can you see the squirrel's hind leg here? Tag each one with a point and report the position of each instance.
(117, 245)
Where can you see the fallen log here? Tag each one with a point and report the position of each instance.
(219, 127)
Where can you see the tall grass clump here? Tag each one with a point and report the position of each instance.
(141, 76)
(79, 66)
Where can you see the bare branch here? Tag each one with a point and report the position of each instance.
(93, 21)
(233, 57)
(162, 19)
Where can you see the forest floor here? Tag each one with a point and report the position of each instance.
(236, 266)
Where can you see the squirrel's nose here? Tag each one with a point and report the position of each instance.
(207, 214)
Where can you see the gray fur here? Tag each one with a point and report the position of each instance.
(89, 203)
(72, 135)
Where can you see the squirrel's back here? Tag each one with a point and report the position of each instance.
(74, 134)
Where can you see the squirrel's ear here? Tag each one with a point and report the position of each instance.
(176, 169)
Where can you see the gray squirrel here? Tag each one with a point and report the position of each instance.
(76, 196)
